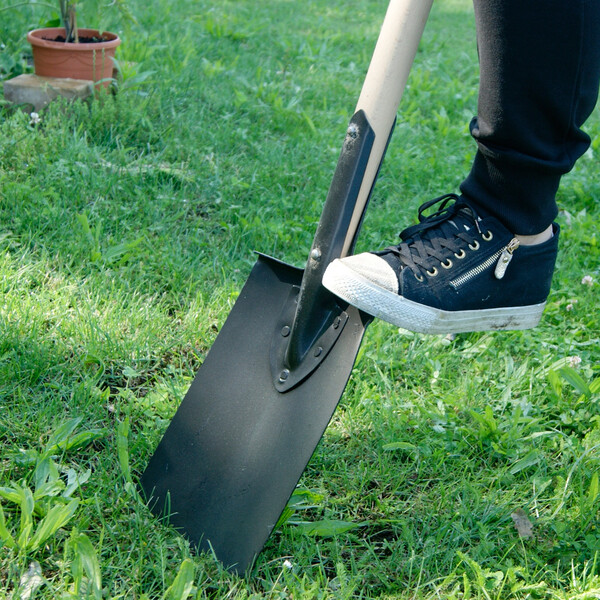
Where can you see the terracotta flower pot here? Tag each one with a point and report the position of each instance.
(84, 60)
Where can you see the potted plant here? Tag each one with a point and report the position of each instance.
(73, 52)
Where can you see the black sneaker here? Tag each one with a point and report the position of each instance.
(453, 272)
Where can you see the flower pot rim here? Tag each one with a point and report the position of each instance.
(36, 38)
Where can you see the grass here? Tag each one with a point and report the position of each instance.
(126, 231)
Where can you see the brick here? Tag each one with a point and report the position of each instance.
(37, 92)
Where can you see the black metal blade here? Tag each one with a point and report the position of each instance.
(237, 447)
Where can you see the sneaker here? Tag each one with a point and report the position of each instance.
(453, 272)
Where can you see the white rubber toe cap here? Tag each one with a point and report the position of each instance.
(374, 269)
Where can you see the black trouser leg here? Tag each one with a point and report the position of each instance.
(540, 71)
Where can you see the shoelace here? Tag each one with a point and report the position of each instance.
(437, 236)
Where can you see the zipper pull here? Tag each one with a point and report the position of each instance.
(505, 258)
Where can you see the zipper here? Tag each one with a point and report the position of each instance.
(501, 259)
(505, 258)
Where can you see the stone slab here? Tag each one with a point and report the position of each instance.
(38, 92)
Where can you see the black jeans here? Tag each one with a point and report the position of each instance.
(539, 76)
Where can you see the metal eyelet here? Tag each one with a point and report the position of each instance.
(487, 236)
(461, 254)
(475, 245)
(447, 264)
(419, 278)
(433, 272)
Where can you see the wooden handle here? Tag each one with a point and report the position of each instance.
(384, 85)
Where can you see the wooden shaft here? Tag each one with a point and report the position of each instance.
(384, 85)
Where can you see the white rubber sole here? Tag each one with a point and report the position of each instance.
(397, 310)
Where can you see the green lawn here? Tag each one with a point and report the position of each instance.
(127, 229)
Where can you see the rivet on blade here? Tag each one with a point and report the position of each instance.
(285, 331)
(337, 322)
(318, 351)
(352, 131)
(283, 375)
